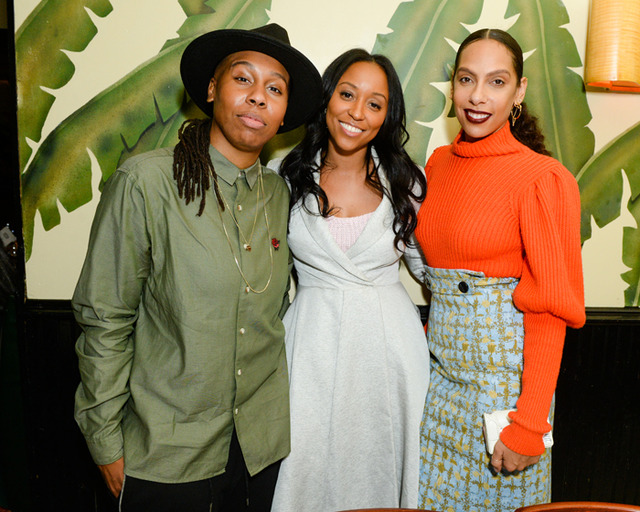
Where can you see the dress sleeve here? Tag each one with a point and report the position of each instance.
(413, 255)
(551, 296)
(414, 260)
(105, 305)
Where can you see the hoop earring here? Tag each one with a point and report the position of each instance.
(516, 112)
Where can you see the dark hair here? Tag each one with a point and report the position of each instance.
(406, 181)
(525, 128)
(192, 166)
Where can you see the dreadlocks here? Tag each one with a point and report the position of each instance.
(192, 166)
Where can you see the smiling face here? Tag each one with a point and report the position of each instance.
(249, 91)
(485, 88)
(357, 108)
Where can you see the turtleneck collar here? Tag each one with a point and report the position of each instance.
(500, 142)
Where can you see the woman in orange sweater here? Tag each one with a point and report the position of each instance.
(500, 229)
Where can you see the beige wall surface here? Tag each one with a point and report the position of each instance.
(134, 32)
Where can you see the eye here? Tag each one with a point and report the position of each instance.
(464, 80)
(375, 106)
(275, 90)
(346, 95)
(498, 81)
(241, 79)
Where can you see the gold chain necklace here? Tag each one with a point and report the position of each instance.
(247, 243)
(226, 234)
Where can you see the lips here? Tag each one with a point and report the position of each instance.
(350, 129)
(252, 120)
(476, 117)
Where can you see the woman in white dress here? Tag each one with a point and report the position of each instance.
(356, 349)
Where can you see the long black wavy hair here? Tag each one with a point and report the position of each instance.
(525, 128)
(405, 180)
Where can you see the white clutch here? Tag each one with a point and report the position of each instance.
(494, 423)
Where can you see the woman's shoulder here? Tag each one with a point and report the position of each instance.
(149, 168)
(274, 164)
(273, 167)
(540, 166)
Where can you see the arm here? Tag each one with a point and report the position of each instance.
(550, 294)
(415, 261)
(105, 305)
(286, 302)
(413, 255)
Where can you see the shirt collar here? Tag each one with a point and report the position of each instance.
(229, 172)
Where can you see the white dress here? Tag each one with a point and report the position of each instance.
(359, 370)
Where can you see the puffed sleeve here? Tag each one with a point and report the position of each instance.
(105, 305)
(551, 296)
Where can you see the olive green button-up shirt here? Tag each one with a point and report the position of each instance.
(176, 349)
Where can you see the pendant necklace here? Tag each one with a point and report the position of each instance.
(247, 243)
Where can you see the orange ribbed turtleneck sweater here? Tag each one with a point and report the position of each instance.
(498, 207)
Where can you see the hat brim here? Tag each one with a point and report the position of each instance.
(203, 54)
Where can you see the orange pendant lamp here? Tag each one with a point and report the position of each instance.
(613, 45)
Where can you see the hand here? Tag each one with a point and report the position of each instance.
(505, 459)
(113, 475)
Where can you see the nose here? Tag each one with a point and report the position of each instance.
(256, 97)
(356, 110)
(478, 95)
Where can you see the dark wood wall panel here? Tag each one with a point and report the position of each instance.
(597, 425)
(63, 474)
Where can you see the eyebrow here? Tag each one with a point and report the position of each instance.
(356, 87)
(492, 73)
(252, 67)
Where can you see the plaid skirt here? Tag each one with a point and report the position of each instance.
(476, 337)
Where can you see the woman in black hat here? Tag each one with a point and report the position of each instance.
(356, 349)
(184, 387)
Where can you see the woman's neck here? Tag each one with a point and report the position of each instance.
(343, 178)
(342, 161)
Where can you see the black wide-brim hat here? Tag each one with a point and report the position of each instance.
(202, 56)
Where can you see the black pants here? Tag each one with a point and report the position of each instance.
(233, 491)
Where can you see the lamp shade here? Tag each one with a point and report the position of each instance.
(613, 45)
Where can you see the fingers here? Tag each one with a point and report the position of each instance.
(498, 456)
(506, 461)
(508, 465)
(511, 467)
(115, 488)
(496, 463)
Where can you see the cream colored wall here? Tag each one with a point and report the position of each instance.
(321, 30)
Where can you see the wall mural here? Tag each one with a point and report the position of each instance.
(144, 109)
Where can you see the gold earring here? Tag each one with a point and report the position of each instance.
(516, 112)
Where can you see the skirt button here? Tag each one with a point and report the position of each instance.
(463, 287)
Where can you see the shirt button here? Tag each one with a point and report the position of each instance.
(463, 287)
(235, 411)
(239, 371)
(239, 207)
(242, 331)
(247, 290)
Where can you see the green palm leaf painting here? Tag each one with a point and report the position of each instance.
(144, 109)
(631, 248)
(422, 56)
(149, 99)
(555, 93)
(600, 184)
(42, 63)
